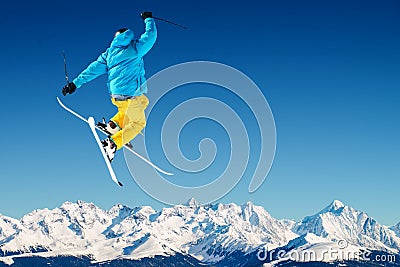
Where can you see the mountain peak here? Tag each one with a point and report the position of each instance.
(335, 207)
(78, 203)
(337, 204)
(192, 203)
(249, 204)
(210, 233)
(340, 222)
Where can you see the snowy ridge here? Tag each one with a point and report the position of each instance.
(205, 232)
(396, 229)
(339, 222)
(209, 233)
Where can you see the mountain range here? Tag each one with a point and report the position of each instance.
(82, 234)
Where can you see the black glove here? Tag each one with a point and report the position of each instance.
(69, 88)
(146, 14)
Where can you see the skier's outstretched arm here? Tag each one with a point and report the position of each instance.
(148, 38)
(94, 70)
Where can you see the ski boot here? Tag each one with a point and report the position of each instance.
(109, 147)
(110, 128)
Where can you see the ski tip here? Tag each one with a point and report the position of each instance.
(90, 120)
(120, 184)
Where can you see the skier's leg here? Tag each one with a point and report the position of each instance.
(134, 122)
(120, 116)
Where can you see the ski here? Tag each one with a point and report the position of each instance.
(125, 146)
(92, 126)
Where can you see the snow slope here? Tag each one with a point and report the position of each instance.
(205, 232)
(396, 229)
(339, 222)
(209, 233)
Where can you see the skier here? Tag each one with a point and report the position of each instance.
(123, 63)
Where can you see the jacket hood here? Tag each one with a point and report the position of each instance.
(123, 39)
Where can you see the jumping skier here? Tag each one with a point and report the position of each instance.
(123, 63)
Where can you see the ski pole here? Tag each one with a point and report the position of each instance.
(65, 67)
(171, 22)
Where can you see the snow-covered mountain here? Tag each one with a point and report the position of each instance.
(396, 229)
(339, 222)
(8, 227)
(209, 234)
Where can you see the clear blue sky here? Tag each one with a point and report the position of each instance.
(330, 71)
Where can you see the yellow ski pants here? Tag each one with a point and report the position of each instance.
(130, 118)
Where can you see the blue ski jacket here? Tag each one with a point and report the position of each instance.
(123, 62)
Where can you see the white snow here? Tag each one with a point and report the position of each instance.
(340, 222)
(206, 232)
(396, 229)
(7, 260)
